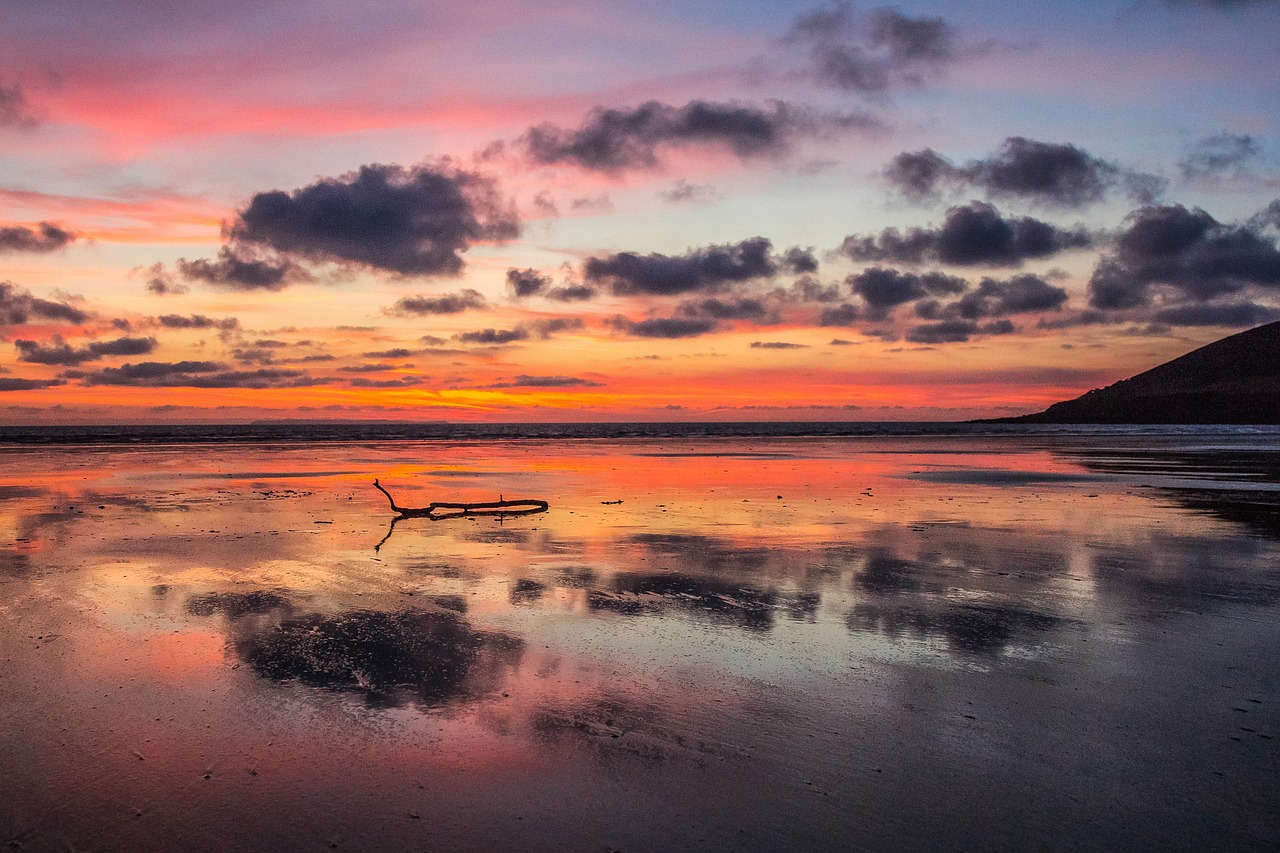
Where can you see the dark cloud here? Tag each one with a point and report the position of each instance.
(522, 284)
(1050, 173)
(975, 234)
(238, 269)
(571, 293)
(1223, 155)
(10, 383)
(17, 306)
(45, 237)
(493, 336)
(884, 50)
(663, 327)
(920, 175)
(199, 374)
(1232, 314)
(541, 329)
(884, 289)
(144, 372)
(1076, 319)
(777, 345)
(525, 381)
(15, 111)
(615, 140)
(59, 352)
(842, 315)
(706, 269)
(398, 352)
(527, 282)
(412, 221)
(1186, 252)
(956, 331)
(549, 326)
(398, 382)
(197, 321)
(367, 368)
(743, 308)
(799, 260)
(448, 303)
(1018, 295)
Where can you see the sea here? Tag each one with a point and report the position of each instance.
(366, 431)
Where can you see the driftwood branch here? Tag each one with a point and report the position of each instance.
(445, 509)
(440, 510)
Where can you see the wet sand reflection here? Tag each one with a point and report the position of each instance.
(763, 645)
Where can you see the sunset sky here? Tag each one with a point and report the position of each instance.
(530, 211)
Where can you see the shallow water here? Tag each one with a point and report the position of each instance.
(763, 643)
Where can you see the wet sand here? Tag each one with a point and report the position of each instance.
(883, 644)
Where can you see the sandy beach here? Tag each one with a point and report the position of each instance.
(895, 643)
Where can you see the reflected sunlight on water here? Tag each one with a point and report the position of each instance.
(757, 644)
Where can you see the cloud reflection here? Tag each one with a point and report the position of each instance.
(429, 657)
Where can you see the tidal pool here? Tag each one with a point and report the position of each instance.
(894, 643)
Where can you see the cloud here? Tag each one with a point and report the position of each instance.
(197, 321)
(742, 308)
(368, 368)
(521, 284)
(975, 234)
(617, 140)
(45, 237)
(541, 329)
(956, 331)
(526, 282)
(1223, 155)
(198, 374)
(663, 327)
(237, 269)
(17, 306)
(549, 326)
(1018, 295)
(808, 288)
(706, 269)
(1056, 174)
(1231, 314)
(15, 111)
(800, 260)
(412, 221)
(525, 381)
(684, 192)
(883, 50)
(571, 293)
(398, 382)
(13, 383)
(1186, 253)
(161, 282)
(493, 336)
(842, 315)
(60, 352)
(448, 303)
(777, 345)
(884, 289)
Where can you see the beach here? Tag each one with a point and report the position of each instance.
(997, 641)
